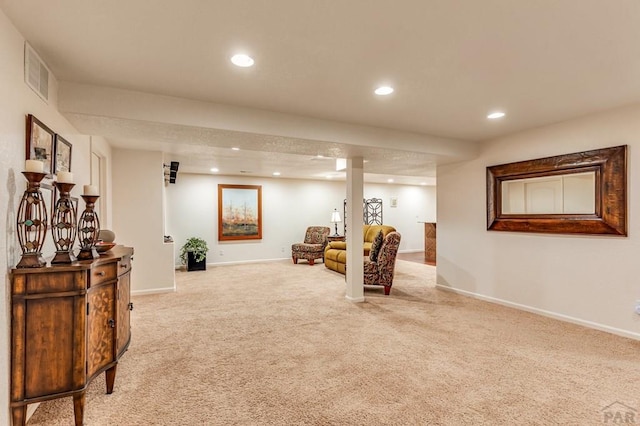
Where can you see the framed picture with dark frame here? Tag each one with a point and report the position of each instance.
(63, 155)
(40, 143)
(239, 212)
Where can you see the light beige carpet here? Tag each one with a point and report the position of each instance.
(278, 344)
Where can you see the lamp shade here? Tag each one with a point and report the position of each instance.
(335, 217)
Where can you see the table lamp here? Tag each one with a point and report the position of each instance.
(335, 219)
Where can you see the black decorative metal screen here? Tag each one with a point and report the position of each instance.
(371, 212)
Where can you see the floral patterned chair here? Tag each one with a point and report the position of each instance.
(315, 240)
(379, 268)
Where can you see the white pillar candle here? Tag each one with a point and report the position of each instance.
(90, 190)
(65, 177)
(35, 166)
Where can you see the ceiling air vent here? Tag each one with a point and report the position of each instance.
(36, 73)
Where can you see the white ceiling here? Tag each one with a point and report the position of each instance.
(451, 62)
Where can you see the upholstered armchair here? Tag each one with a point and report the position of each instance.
(379, 268)
(315, 240)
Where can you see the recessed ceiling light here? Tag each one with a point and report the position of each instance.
(384, 90)
(276, 173)
(215, 169)
(241, 60)
(235, 148)
(390, 180)
(494, 115)
(423, 183)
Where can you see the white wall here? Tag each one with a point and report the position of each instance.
(288, 207)
(588, 279)
(138, 218)
(16, 102)
(415, 205)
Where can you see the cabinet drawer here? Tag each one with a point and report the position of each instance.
(103, 273)
(49, 283)
(124, 265)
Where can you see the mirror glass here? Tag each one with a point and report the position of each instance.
(571, 193)
(578, 193)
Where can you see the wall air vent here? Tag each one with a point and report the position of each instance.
(36, 73)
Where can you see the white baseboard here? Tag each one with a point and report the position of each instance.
(561, 317)
(31, 408)
(153, 291)
(240, 262)
(243, 262)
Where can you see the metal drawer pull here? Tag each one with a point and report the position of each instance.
(112, 323)
(131, 306)
(124, 265)
(100, 273)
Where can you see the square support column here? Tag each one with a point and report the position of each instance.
(355, 195)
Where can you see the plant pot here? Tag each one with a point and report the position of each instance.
(192, 265)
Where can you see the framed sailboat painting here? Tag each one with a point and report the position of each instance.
(239, 212)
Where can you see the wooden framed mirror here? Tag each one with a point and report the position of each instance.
(579, 193)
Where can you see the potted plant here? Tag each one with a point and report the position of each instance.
(194, 254)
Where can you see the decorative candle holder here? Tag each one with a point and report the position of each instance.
(32, 223)
(88, 229)
(63, 224)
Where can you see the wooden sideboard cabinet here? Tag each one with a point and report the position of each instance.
(69, 323)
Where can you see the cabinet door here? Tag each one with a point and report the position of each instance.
(123, 332)
(101, 327)
(49, 346)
